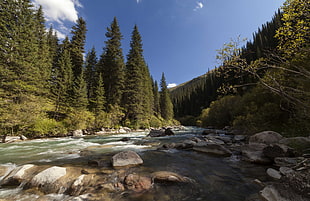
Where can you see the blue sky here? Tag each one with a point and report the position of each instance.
(180, 37)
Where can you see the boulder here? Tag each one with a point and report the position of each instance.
(10, 139)
(238, 138)
(49, 175)
(211, 148)
(46, 180)
(166, 176)
(16, 176)
(161, 133)
(300, 144)
(156, 133)
(168, 131)
(254, 153)
(137, 183)
(273, 173)
(278, 150)
(287, 161)
(169, 146)
(214, 140)
(77, 185)
(77, 133)
(125, 139)
(270, 193)
(225, 138)
(266, 137)
(286, 170)
(126, 158)
(22, 137)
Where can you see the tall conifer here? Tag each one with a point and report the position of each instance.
(165, 101)
(138, 87)
(156, 99)
(62, 81)
(77, 46)
(112, 65)
(91, 76)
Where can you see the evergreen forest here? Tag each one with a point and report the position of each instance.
(48, 88)
(261, 84)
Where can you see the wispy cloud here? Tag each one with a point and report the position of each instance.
(60, 35)
(172, 85)
(199, 5)
(59, 10)
(138, 1)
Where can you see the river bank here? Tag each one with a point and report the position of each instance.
(84, 164)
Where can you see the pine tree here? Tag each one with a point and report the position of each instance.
(111, 65)
(62, 82)
(99, 100)
(79, 90)
(79, 93)
(19, 54)
(91, 76)
(45, 59)
(77, 46)
(136, 100)
(148, 101)
(166, 106)
(156, 99)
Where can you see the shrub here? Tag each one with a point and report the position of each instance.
(79, 119)
(155, 122)
(46, 126)
(221, 113)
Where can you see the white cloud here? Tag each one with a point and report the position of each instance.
(172, 85)
(199, 5)
(139, 1)
(59, 10)
(60, 35)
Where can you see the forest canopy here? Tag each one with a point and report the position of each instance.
(48, 88)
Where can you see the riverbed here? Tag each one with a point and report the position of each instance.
(214, 178)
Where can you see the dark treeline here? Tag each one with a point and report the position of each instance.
(47, 88)
(262, 85)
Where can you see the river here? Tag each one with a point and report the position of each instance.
(216, 178)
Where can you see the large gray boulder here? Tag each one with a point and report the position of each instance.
(156, 133)
(278, 150)
(17, 176)
(270, 193)
(161, 133)
(254, 153)
(300, 144)
(126, 158)
(77, 133)
(273, 173)
(211, 148)
(266, 137)
(48, 176)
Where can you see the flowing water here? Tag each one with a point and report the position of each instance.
(216, 178)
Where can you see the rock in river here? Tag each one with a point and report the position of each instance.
(211, 148)
(273, 173)
(137, 183)
(266, 137)
(166, 176)
(126, 158)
